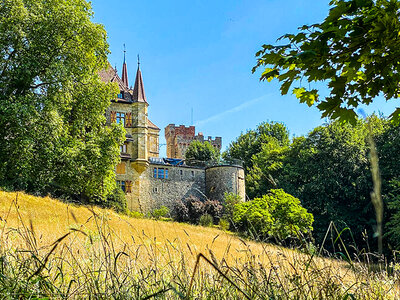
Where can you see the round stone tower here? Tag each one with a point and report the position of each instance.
(225, 179)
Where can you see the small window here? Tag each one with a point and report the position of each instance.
(120, 118)
(121, 184)
(155, 172)
(120, 95)
(155, 190)
(181, 172)
(123, 148)
(121, 168)
(192, 174)
(160, 173)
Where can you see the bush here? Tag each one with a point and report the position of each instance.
(195, 208)
(223, 224)
(229, 202)
(215, 209)
(180, 211)
(135, 214)
(206, 220)
(116, 200)
(276, 214)
(162, 212)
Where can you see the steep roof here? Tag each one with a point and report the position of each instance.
(109, 74)
(125, 72)
(152, 125)
(138, 90)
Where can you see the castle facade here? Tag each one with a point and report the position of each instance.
(148, 180)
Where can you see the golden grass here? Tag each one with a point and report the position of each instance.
(110, 245)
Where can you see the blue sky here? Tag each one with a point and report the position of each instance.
(198, 55)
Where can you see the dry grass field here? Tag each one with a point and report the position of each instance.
(50, 249)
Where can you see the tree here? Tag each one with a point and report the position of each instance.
(199, 152)
(355, 51)
(251, 142)
(53, 136)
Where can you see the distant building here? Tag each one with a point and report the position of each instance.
(180, 137)
(148, 180)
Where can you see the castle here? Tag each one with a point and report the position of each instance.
(148, 180)
(179, 138)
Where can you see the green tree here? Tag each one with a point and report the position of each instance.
(354, 51)
(267, 167)
(329, 171)
(199, 152)
(251, 142)
(53, 136)
(276, 214)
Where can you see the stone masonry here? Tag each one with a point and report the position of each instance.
(148, 180)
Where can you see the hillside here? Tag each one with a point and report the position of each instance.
(110, 254)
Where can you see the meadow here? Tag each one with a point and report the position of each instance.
(50, 249)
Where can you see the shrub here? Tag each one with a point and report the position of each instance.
(276, 214)
(162, 212)
(206, 220)
(215, 209)
(195, 208)
(135, 214)
(116, 200)
(180, 211)
(229, 202)
(223, 224)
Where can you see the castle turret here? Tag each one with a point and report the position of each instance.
(140, 124)
(124, 72)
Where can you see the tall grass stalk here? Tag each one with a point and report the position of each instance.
(98, 257)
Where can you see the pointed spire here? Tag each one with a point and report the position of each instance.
(124, 71)
(138, 90)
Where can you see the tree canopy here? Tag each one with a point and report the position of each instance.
(355, 51)
(53, 136)
(328, 170)
(198, 152)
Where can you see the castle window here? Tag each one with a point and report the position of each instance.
(155, 172)
(121, 168)
(120, 118)
(161, 173)
(121, 184)
(123, 148)
(181, 173)
(192, 174)
(155, 190)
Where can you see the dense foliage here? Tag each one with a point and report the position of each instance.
(192, 209)
(329, 171)
(199, 153)
(276, 214)
(251, 142)
(354, 51)
(53, 137)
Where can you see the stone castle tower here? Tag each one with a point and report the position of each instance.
(148, 180)
(179, 138)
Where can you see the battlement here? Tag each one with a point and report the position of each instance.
(180, 137)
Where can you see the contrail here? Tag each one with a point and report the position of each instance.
(232, 110)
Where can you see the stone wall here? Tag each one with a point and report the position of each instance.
(181, 183)
(221, 179)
